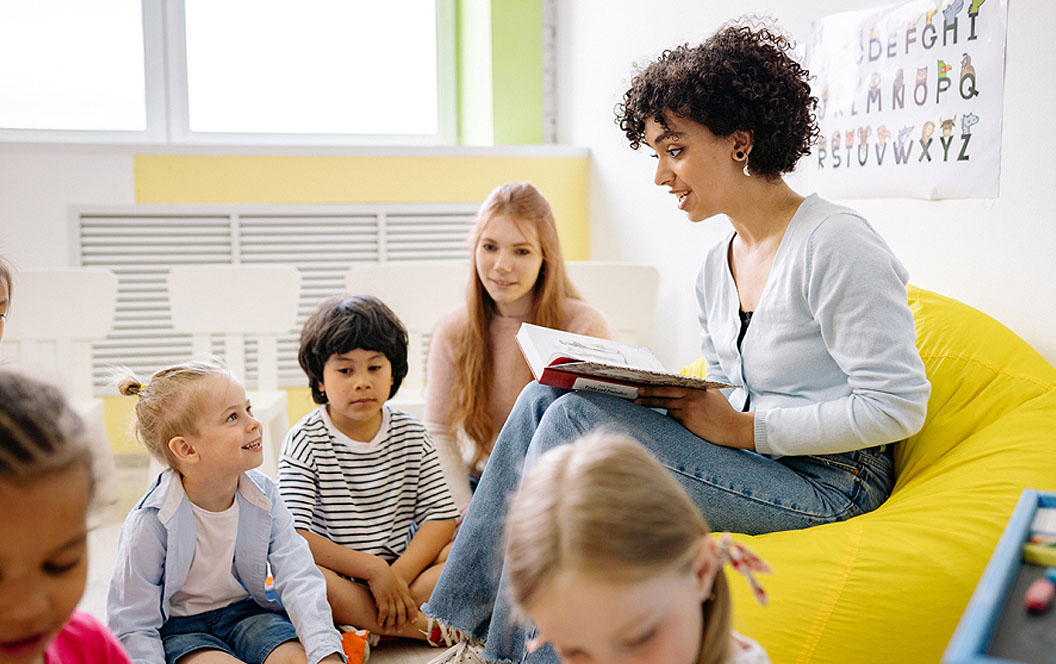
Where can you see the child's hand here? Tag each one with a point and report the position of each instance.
(393, 599)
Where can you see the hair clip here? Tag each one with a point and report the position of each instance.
(744, 561)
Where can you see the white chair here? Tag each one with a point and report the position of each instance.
(236, 302)
(54, 317)
(625, 292)
(420, 293)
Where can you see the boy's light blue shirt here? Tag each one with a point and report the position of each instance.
(156, 547)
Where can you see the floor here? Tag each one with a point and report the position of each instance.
(130, 481)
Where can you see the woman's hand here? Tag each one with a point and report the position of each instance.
(393, 599)
(705, 413)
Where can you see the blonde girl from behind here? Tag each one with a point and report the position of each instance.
(610, 559)
(46, 489)
(189, 583)
(475, 370)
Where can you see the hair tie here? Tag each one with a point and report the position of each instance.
(744, 561)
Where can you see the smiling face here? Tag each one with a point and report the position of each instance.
(357, 384)
(228, 439)
(695, 165)
(590, 618)
(43, 562)
(508, 263)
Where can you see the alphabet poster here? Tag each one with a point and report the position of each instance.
(909, 100)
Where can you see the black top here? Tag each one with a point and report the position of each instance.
(746, 319)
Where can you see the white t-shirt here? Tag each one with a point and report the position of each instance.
(211, 582)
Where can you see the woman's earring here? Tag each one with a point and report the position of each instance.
(741, 154)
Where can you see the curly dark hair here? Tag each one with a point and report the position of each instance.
(739, 79)
(341, 324)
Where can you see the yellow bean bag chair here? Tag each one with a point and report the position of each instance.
(890, 586)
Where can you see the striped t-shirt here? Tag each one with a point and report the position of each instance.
(365, 496)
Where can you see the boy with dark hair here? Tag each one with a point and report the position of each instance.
(363, 481)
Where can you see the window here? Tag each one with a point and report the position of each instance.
(237, 71)
(324, 67)
(72, 65)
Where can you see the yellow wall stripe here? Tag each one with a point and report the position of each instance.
(410, 179)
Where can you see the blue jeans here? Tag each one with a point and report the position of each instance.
(735, 490)
(245, 630)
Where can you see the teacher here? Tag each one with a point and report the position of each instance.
(802, 306)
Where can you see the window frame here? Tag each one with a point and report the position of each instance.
(166, 96)
(154, 97)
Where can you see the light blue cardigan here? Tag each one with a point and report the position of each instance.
(155, 550)
(829, 358)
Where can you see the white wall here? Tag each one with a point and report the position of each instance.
(997, 256)
(37, 185)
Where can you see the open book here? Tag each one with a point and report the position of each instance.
(578, 362)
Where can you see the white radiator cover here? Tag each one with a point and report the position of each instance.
(140, 243)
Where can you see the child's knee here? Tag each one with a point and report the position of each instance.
(441, 557)
(337, 584)
(330, 576)
(291, 652)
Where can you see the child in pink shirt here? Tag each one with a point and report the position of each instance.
(84, 640)
(45, 487)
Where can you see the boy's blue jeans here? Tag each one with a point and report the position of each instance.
(735, 490)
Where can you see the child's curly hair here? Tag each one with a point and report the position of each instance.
(741, 78)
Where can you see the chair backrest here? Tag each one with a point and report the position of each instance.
(420, 293)
(55, 315)
(625, 292)
(237, 301)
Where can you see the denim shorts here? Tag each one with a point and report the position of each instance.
(245, 630)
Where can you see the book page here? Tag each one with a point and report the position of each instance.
(543, 345)
(611, 353)
(601, 360)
